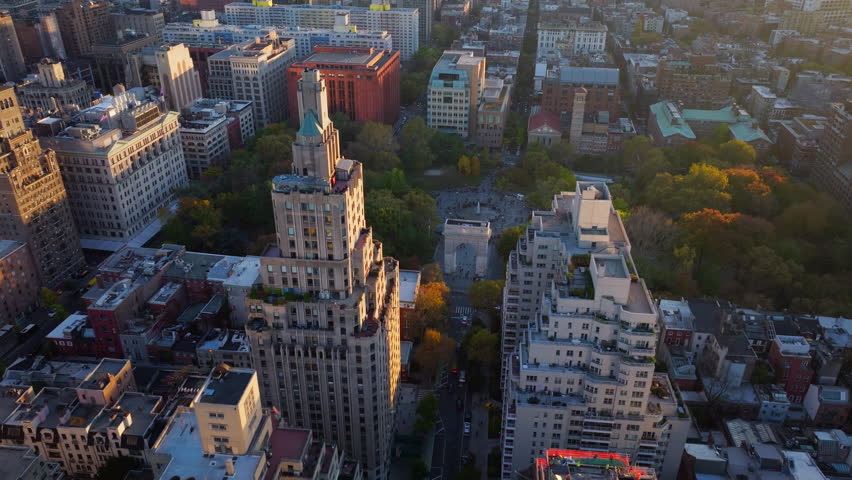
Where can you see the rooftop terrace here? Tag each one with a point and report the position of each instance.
(100, 377)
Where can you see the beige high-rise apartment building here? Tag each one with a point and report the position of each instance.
(255, 71)
(324, 329)
(229, 412)
(122, 162)
(82, 24)
(12, 66)
(580, 329)
(179, 80)
(140, 20)
(833, 164)
(52, 91)
(34, 206)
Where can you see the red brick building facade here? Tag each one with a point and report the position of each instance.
(601, 84)
(790, 358)
(199, 56)
(363, 83)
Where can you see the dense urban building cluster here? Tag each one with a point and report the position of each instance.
(598, 337)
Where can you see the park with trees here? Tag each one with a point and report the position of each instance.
(709, 218)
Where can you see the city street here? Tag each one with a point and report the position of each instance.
(447, 455)
(503, 210)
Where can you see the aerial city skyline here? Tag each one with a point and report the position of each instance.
(425, 240)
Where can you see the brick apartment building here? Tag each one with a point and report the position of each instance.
(790, 358)
(693, 83)
(409, 283)
(363, 83)
(602, 90)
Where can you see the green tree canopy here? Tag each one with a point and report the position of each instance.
(427, 413)
(485, 295)
(508, 241)
(482, 347)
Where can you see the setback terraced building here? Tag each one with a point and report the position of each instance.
(579, 337)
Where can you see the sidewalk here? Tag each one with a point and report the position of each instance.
(479, 443)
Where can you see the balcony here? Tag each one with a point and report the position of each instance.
(637, 330)
(549, 399)
(593, 429)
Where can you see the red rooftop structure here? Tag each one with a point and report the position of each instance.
(363, 83)
(561, 464)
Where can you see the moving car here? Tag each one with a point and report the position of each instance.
(466, 429)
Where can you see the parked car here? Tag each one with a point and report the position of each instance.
(459, 404)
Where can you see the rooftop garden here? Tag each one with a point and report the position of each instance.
(277, 296)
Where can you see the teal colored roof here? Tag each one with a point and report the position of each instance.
(670, 121)
(310, 125)
(747, 133)
(723, 115)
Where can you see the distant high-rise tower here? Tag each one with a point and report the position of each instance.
(83, 24)
(324, 328)
(254, 70)
(178, 77)
(11, 58)
(33, 203)
(834, 158)
(53, 91)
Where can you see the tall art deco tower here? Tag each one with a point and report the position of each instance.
(324, 329)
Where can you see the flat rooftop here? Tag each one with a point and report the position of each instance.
(141, 408)
(228, 388)
(193, 265)
(364, 59)
(67, 326)
(108, 367)
(676, 314)
(182, 442)
(236, 271)
(466, 223)
(408, 282)
(610, 266)
(54, 401)
(225, 340)
(289, 443)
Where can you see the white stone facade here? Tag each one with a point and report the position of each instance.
(254, 71)
(403, 24)
(120, 175)
(306, 38)
(579, 335)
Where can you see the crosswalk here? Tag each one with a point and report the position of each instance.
(462, 311)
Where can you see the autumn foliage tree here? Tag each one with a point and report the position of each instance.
(430, 308)
(434, 349)
(714, 222)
